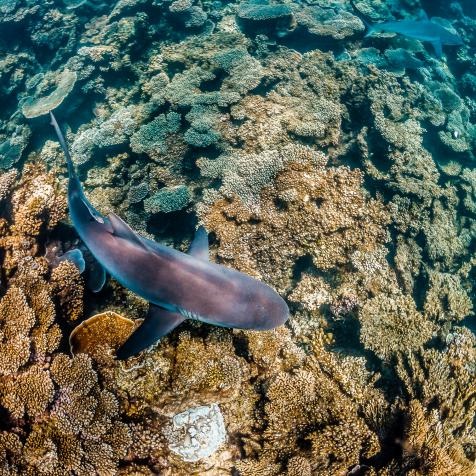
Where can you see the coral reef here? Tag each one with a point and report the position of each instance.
(310, 211)
(58, 418)
(337, 168)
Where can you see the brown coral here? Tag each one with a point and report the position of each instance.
(315, 403)
(67, 285)
(57, 416)
(396, 318)
(310, 211)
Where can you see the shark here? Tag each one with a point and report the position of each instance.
(177, 285)
(423, 29)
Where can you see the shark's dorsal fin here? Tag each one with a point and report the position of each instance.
(199, 246)
(121, 229)
(423, 16)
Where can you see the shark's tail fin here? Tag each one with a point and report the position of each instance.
(158, 323)
(369, 27)
(62, 141)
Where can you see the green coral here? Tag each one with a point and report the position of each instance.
(168, 199)
(39, 105)
(152, 136)
(261, 11)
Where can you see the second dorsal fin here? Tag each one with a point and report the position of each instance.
(199, 246)
(121, 229)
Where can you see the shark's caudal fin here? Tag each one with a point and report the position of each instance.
(69, 162)
(158, 323)
(199, 246)
(74, 183)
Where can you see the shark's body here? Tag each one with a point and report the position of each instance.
(423, 29)
(178, 285)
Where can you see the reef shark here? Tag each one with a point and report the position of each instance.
(178, 286)
(422, 29)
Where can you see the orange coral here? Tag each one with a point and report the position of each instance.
(107, 329)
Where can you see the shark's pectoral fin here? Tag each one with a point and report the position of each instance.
(76, 257)
(158, 323)
(438, 48)
(199, 246)
(123, 230)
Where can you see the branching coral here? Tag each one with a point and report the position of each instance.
(58, 418)
(396, 318)
(311, 210)
(316, 403)
(440, 434)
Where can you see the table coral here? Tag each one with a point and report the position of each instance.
(327, 22)
(107, 329)
(38, 106)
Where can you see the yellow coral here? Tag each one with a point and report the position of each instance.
(427, 450)
(396, 318)
(105, 330)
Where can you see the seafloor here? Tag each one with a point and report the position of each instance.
(336, 168)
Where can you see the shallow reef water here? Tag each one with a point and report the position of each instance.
(337, 167)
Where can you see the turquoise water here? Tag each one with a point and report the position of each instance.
(328, 149)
